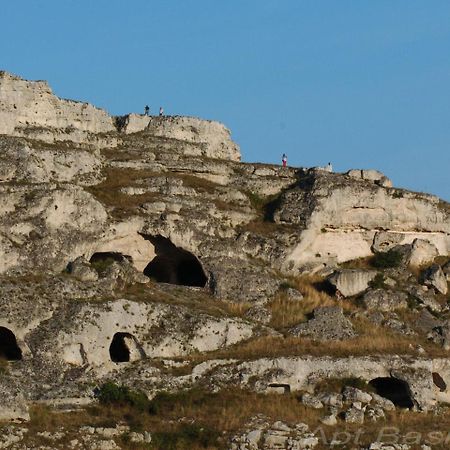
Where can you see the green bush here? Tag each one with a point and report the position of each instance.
(112, 394)
(102, 265)
(377, 282)
(387, 260)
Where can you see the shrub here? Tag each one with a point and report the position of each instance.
(112, 394)
(377, 282)
(102, 265)
(391, 258)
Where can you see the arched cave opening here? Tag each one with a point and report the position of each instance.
(395, 390)
(9, 349)
(119, 351)
(174, 265)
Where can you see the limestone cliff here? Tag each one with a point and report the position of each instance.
(130, 242)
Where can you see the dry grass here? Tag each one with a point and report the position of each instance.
(287, 312)
(223, 414)
(199, 300)
(108, 191)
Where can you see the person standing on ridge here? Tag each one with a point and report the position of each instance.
(284, 160)
(161, 111)
(329, 167)
(147, 110)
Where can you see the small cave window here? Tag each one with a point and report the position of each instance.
(9, 349)
(284, 387)
(395, 390)
(174, 265)
(124, 348)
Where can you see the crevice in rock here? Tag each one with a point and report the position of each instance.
(174, 265)
(439, 382)
(9, 349)
(395, 390)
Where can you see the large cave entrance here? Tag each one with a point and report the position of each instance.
(9, 349)
(124, 348)
(395, 390)
(174, 265)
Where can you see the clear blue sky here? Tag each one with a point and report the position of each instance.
(360, 83)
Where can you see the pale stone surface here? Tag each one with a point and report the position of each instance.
(133, 123)
(213, 137)
(350, 282)
(384, 300)
(422, 252)
(370, 175)
(339, 220)
(328, 323)
(25, 104)
(352, 394)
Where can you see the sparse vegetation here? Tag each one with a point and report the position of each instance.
(338, 384)
(378, 282)
(114, 395)
(198, 419)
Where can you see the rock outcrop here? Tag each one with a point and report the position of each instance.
(138, 250)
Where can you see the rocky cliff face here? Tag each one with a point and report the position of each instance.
(128, 243)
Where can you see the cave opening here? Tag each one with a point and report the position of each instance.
(9, 349)
(119, 350)
(101, 261)
(174, 265)
(395, 390)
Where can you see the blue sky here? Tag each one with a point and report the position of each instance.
(360, 83)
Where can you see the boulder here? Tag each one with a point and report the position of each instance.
(350, 282)
(354, 415)
(82, 270)
(132, 123)
(434, 277)
(352, 394)
(426, 322)
(425, 297)
(328, 323)
(370, 175)
(441, 335)
(383, 403)
(384, 241)
(384, 300)
(258, 313)
(312, 401)
(375, 413)
(330, 420)
(421, 252)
